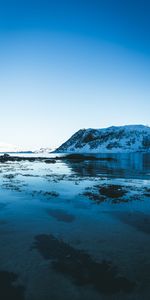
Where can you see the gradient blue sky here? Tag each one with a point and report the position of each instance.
(66, 65)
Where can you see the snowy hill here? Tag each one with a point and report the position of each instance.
(130, 138)
(9, 148)
(43, 150)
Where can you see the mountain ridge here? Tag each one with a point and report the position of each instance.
(127, 138)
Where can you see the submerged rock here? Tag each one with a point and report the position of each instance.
(81, 267)
(9, 290)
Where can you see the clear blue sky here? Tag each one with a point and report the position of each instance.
(66, 65)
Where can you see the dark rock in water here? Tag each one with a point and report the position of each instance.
(8, 158)
(140, 221)
(70, 157)
(6, 155)
(101, 193)
(47, 195)
(75, 156)
(50, 194)
(50, 161)
(112, 191)
(82, 157)
(61, 215)
(147, 192)
(8, 288)
(80, 266)
(94, 196)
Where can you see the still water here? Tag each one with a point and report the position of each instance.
(75, 230)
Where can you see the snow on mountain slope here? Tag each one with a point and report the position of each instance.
(129, 138)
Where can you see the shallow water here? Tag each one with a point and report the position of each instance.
(75, 230)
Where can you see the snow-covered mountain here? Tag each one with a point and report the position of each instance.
(9, 148)
(129, 138)
(43, 150)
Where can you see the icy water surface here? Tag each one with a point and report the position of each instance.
(75, 230)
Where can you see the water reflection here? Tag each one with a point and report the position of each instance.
(133, 165)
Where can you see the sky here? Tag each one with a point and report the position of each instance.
(72, 64)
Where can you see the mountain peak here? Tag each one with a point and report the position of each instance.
(127, 138)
